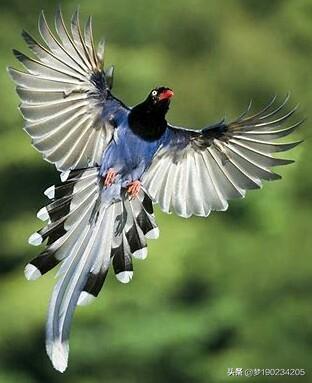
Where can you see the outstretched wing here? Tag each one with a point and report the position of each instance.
(64, 93)
(195, 172)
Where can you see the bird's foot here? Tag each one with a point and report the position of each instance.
(134, 189)
(110, 177)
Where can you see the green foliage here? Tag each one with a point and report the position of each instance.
(233, 290)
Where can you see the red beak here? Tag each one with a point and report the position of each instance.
(166, 95)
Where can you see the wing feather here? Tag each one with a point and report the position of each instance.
(63, 94)
(195, 172)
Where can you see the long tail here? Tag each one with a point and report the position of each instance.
(86, 235)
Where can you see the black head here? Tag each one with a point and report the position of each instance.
(147, 119)
(159, 99)
(160, 95)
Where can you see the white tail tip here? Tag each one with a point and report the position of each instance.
(43, 214)
(140, 254)
(35, 239)
(152, 234)
(50, 192)
(58, 353)
(31, 272)
(85, 298)
(64, 175)
(124, 276)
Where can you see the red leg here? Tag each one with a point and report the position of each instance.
(110, 177)
(134, 189)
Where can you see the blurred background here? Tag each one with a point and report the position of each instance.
(230, 291)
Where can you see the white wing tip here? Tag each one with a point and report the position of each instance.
(152, 234)
(141, 253)
(85, 298)
(35, 239)
(50, 192)
(124, 276)
(58, 353)
(31, 272)
(43, 214)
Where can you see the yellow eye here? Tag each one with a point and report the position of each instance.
(154, 93)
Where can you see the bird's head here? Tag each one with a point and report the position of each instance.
(159, 99)
(152, 111)
(160, 95)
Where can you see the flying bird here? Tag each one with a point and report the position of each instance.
(116, 161)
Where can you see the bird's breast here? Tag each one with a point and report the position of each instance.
(128, 152)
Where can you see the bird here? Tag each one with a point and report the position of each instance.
(116, 162)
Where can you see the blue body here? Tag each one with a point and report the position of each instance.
(128, 154)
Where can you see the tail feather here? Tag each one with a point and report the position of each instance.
(73, 277)
(143, 211)
(137, 223)
(86, 235)
(99, 270)
(137, 242)
(65, 214)
(120, 252)
(147, 203)
(122, 262)
(92, 287)
(55, 251)
(134, 235)
(64, 298)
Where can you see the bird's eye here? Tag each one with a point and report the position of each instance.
(154, 93)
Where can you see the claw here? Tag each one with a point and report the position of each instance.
(134, 189)
(110, 177)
